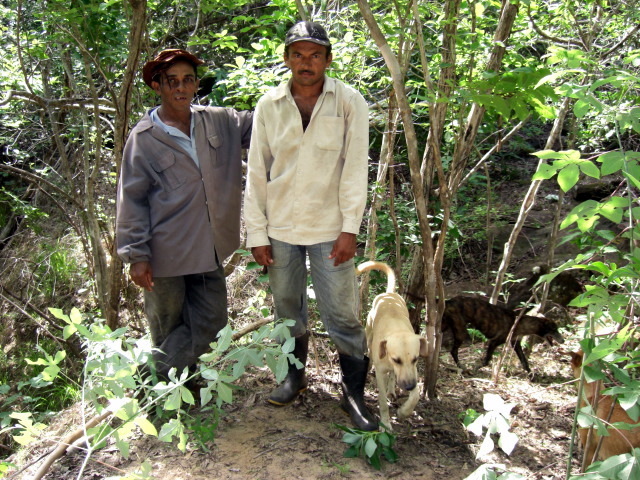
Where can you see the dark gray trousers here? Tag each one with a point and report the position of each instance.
(185, 315)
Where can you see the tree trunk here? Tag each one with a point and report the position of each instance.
(121, 125)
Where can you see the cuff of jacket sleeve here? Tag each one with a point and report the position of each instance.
(351, 225)
(257, 239)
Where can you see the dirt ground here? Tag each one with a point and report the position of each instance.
(257, 441)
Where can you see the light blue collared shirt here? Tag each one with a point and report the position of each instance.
(189, 144)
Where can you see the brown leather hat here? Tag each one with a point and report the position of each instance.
(164, 60)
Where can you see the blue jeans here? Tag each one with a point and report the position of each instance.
(185, 315)
(335, 289)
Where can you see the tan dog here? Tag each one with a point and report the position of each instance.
(394, 348)
(617, 441)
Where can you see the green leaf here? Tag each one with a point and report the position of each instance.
(224, 339)
(352, 438)
(374, 461)
(146, 426)
(187, 396)
(568, 177)
(581, 108)
(288, 345)
(390, 454)
(174, 400)
(545, 172)
(50, 373)
(370, 447)
(282, 368)
(225, 393)
(588, 168)
(612, 162)
(385, 439)
(169, 430)
(614, 208)
(351, 452)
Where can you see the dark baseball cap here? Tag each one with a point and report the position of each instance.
(166, 59)
(308, 32)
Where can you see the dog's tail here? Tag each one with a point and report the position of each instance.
(383, 267)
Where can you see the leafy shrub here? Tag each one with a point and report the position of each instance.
(373, 446)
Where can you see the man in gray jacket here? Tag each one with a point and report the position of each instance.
(178, 210)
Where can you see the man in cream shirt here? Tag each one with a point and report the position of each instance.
(306, 194)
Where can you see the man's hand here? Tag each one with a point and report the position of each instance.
(262, 255)
(344, 249)
(141, 275)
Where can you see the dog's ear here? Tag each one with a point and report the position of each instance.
(382, 351)
(424, 348)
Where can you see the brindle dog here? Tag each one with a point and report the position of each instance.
(495, 323)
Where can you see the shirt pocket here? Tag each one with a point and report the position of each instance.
(332, 136)
(169, 174)
(215, 144)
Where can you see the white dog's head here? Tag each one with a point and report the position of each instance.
(402, 351)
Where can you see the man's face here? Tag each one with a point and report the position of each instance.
(308, 62)
(177, 86)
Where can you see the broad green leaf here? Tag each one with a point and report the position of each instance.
(50, 373)
(174, 400)
(614, 208)
(68, 330)
(568, 177)
(385, 439)
(370, 447)
(588, 168)
(75, 316)
(224, 339)
(209, 374)
(169, 430)
(581, 108)
(351, 452)
(282, 367)
(568, 155)
(146, 426)
(187, 396)
(122, 444)
(352, 438)
(225, 393)
(545, 172)
(390, 454)
(59, 314)
(289, 345)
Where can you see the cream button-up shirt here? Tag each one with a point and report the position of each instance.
(307, 186)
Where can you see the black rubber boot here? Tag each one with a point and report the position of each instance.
(354, 378)
(296, 381)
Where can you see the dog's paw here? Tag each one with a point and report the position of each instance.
(405, 412)
(386, 426)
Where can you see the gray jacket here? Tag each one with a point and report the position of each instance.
(172, 213)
